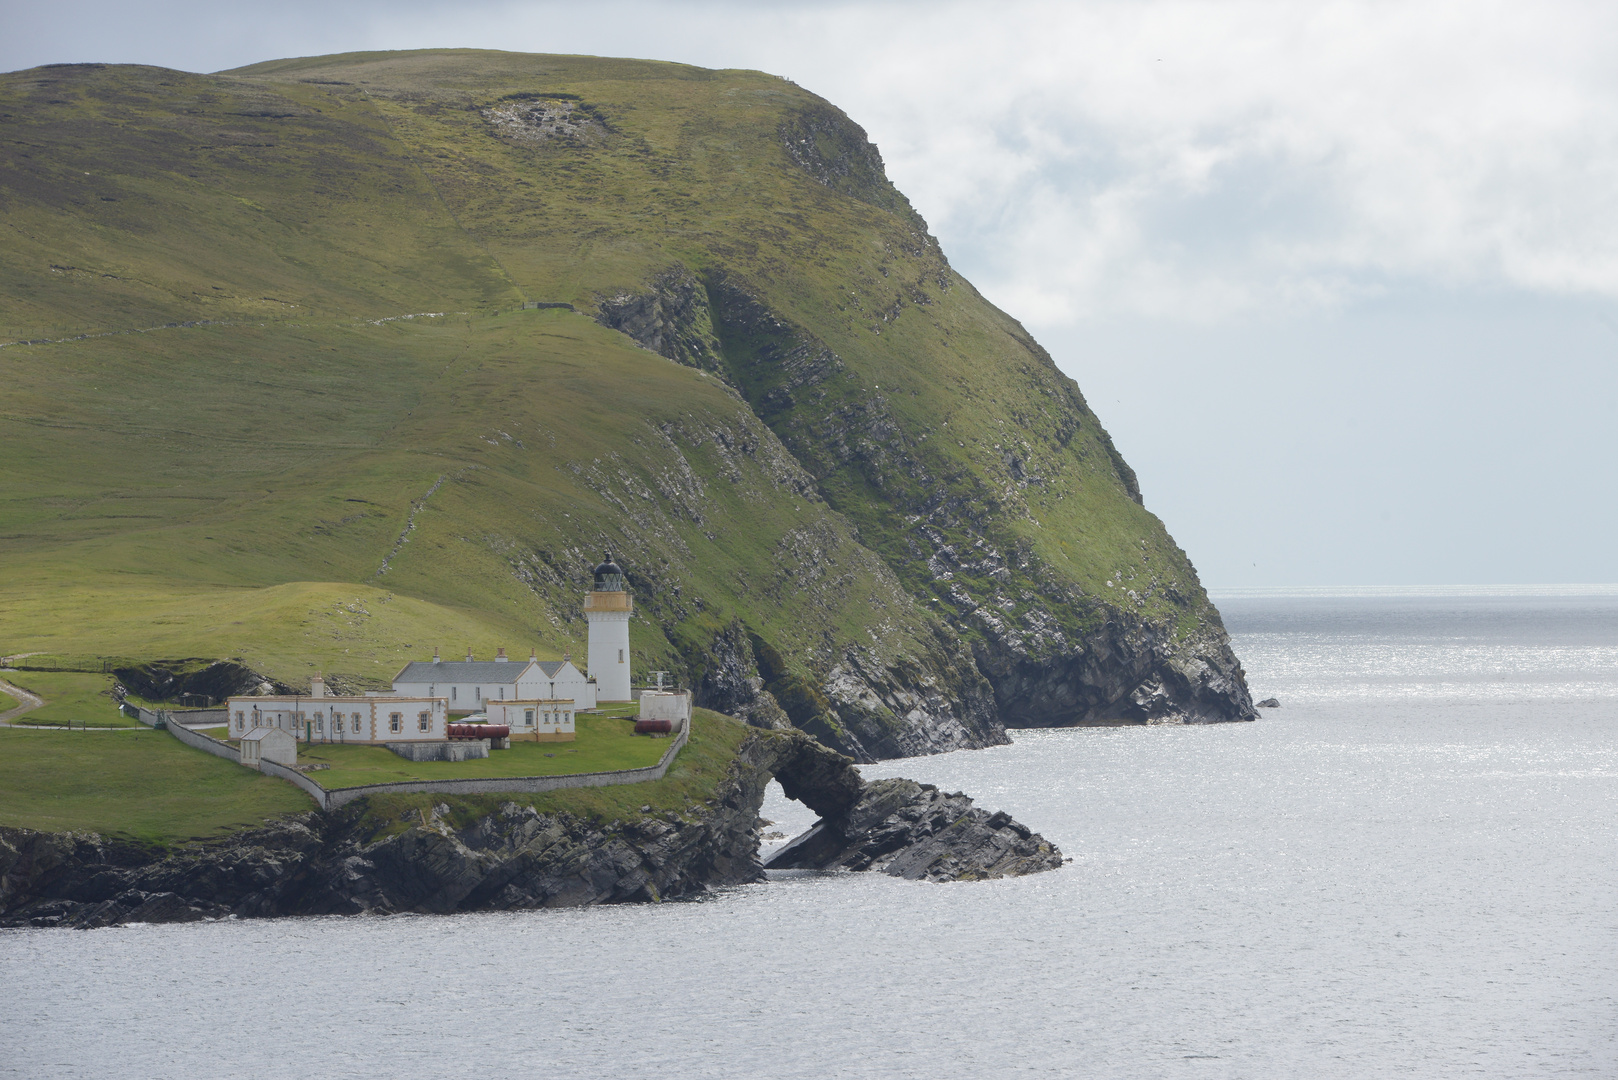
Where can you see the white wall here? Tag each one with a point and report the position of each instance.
(609, 654)
(550, 717)
(363, 719)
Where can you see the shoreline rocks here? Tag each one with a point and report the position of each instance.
(350, 862)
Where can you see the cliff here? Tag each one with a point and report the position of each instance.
(279, 392)
(381, 856)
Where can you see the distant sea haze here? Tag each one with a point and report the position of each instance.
(1406, 869)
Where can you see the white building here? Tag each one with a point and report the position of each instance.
(542, 720)
(608, 608)
(374, 718)
(269, 744)
(671, 705)
(473, 685)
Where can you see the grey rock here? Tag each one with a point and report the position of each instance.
(915, 831)
(1269, 703)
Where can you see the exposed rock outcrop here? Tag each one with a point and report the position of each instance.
(509, 855)
(1042, 652)
(915, 831)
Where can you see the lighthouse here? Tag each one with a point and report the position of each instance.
(608, 608)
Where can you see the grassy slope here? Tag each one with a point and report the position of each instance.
(695, 174)
(141, 784)
(234, 489)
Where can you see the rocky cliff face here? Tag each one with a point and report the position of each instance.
(512, 856)
(1043, 652)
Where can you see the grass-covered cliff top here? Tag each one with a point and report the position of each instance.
(271, 391)
(149, 787)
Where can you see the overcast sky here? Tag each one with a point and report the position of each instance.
(1341, 279)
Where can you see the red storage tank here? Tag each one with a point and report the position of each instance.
(653, 727)
(479, 731)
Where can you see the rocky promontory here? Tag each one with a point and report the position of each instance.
(497, 854)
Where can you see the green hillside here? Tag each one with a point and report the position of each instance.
(275, 390)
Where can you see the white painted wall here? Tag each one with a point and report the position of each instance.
(366, 719)
(548, 717)
(609, 654)
(665, 705)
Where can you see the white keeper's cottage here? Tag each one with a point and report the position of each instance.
(322, 717)
(472, 686)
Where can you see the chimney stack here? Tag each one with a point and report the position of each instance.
(533, 654)
(435, 654)
(500, 656)
(317, 686)
(469, 654)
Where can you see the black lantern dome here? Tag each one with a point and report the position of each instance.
(609, 576)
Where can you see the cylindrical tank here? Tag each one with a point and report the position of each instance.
(479, 731)
(653, 727)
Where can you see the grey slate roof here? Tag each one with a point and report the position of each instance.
(492, 672)
(551, 667)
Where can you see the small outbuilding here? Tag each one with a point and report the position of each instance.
(269, 744)
(537, 720)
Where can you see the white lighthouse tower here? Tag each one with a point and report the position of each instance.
(608, 608)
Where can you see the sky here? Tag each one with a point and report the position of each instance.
(1341, 279)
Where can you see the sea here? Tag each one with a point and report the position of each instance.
(1408, 869)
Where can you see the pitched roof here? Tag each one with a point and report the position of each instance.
(260, 732)
(551, 667)
(492, 672)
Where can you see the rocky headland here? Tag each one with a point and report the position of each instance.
(494, 854)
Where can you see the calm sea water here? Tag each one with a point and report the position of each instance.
(1406, 870)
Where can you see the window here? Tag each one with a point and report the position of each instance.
(337, 723)
(356, 719)
(320, 722)
(502, 693)
(528, 718)
(395, 721)
(241, 721)
(452, 693)
(620, 656)
(424, 721)
(477, 693)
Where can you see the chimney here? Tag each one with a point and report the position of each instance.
(469, 654)
(533, 654)
(500, 656)
(567, 658)
(435, 654)
(317, 686)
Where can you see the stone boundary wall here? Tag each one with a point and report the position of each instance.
(275, 768)
(511, 785)
(331, 799)
(206, 743)
(200, 717)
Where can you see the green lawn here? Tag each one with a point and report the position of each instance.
(603, 743)
(693, 778)
(141, 784)
(7, 701)
(71, 697)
